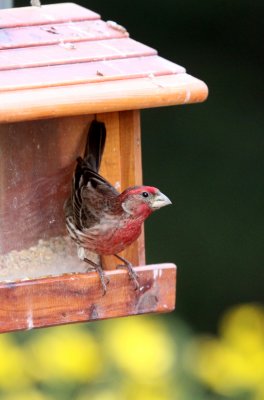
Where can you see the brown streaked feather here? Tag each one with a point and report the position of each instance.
(90, 191)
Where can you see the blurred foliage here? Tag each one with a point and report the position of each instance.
(143, 358)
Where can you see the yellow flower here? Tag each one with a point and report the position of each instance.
(143, 391)
(12, 364)
(218, 365)
(140, 347)
(234, 361)
(67, 353)
(243, 328)
(100, 395)
(131, 390)
(28, 395)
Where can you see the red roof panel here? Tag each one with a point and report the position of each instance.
(51, 47)
(98, 71)
(53, 13)
(55, 33)
(72, 53)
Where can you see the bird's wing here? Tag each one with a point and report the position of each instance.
(91, 193)
(91, 197)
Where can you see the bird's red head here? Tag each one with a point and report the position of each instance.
(141, 201)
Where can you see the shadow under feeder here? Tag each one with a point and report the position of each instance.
(43, 128)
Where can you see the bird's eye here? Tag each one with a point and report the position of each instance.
(145, 194)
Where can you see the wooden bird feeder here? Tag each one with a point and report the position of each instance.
(62, 66)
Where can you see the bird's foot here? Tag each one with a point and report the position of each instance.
(97, 267)
(131, 272)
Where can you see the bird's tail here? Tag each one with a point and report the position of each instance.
(94, 146)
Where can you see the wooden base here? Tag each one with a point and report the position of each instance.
(79, 298)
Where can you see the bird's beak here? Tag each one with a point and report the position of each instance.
(160, 200)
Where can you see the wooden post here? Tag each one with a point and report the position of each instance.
(122, 166)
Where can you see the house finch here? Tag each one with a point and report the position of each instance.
(98, 217)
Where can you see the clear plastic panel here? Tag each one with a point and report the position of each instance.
(37, 159)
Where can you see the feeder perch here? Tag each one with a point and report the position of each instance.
(61, 67)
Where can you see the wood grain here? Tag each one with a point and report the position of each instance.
(86, 72)
(78, 298)
(121, 165)
(40, 35)
(131, 172)
(69, 53)
(92, 98)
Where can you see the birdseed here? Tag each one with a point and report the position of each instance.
(55, 256)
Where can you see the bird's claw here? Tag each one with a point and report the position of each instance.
(104, 281)
(131, 272)
(97, 268)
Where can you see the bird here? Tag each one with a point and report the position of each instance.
(101, 220)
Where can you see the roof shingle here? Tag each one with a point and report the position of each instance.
(53, 51)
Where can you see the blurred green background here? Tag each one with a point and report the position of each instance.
(208, 158)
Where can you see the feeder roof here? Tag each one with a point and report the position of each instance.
(62, 59)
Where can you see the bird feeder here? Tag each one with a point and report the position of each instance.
(62, 67)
